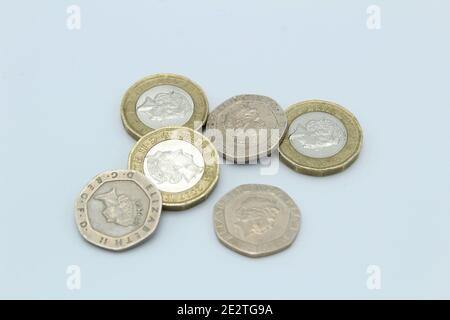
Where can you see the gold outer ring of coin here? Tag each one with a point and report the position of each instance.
(199, 192)
(136, 128)
(323, 166)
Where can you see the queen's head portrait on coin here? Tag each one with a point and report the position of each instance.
(118, 209)
(182, 163)
(247, 127)
(323, 138)
(163, 100)
(256, 220)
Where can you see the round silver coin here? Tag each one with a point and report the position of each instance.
(174, 165)
(163, 106)
(247, 127)
(256, 220)
(118, 209)
(317, 134)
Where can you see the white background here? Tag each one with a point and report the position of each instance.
(60, 93)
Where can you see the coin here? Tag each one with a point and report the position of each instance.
(182, 163)
(163, 100)
(118, 209)
(256, 220)
(323, 138)
(247, 127)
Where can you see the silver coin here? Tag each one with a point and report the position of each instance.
(163, 106)
(317, 134)
(118, 209)
(247, 127)
(174, 165)
(256, 220)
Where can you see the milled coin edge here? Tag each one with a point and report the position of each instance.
(287, 157)
(200, 196)
(137, 129)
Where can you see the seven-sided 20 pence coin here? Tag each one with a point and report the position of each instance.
(118, 209)
(181, 162)
(163, 100)
(323, 138)
(256, 220)
(247, 127)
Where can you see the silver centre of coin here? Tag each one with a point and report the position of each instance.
(317, 134)
(174, 165)
(118, 208)
(163, 106)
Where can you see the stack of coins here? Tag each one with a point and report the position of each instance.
(174, 165)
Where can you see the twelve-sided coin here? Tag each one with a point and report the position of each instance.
(323, 138)
(118, 209)
(163, 100)
(247, 127)
(182, 163)
(256, 220)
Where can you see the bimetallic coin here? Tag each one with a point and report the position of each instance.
(323, 138)
(256, 220)
(118, 209)
(182, 163)
(163, 100)
(246, 127)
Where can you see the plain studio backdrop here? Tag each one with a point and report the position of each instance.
(377, 230)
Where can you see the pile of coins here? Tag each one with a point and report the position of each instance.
(175, 164)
